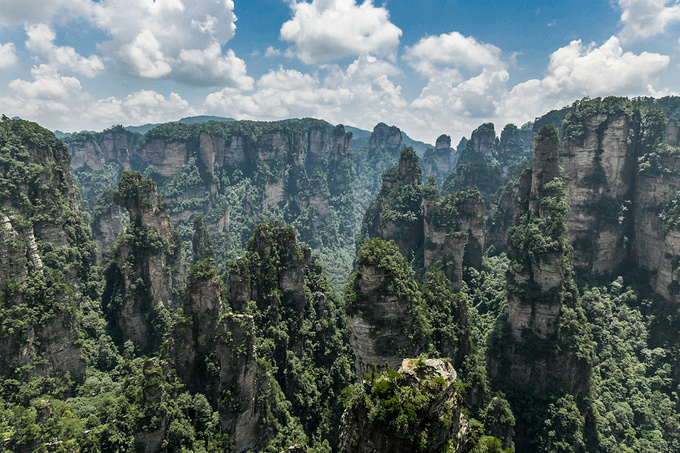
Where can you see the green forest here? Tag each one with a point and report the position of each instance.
(266, 287)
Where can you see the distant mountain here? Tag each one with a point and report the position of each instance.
(200, 119)
(361, 136)
(418, 147)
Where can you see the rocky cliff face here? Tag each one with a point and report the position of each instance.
(47, 254)
(542, 298)
(440, 160)
(656, 229)
(380, 153)
(599, 166)
(505, 210)
(379, 317)
(53, 335)
(107, 223)
(191, 343)
(656, 247)
(236, 175)
(454, 233)
(477, 165)
(245, 387)
(147, 272)
(93, 151)
(620, 174)
(397, 214)
(436, 424)
(300, 323)
(430, 230)
(213, 351)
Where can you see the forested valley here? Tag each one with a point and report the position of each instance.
(306, 287)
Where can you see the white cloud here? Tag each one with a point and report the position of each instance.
(449, 104)
(645, 18)
(208, 65)
(58, 103)
(431, 54)
(20, 12)
(48, 85)
(361, 94)
(576, 70)
(41, 41)
(326, 30)
(272, 52)
(175, 39)
(8, 57)
(49, 95)
(145, 106)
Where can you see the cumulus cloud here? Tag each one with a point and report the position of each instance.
(457, 106)
(145, 106)
(48, 84)
(476, 97)
(645, 18)
(20, 12)
(48, 96)
(272, 52)
(173, 39)
(41, 41)
(431, 54)
(360, 94)
(325, 30)
(8, 57)
(578, 70)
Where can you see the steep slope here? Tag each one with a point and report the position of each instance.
(47, 269)
(621, 180)
(146, 274)
(439, 161)
(447, 232)
(417, 408)
(300, 326)
(392, 318)
(236, 175)
(543, 341)
(397, 213)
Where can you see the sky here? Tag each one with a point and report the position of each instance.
(430, 67)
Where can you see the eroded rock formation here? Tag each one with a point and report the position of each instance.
(381, 293)
(545, 341)
(46, 254)
(437, 424)
(147, 274)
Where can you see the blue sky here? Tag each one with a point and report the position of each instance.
(427, 66)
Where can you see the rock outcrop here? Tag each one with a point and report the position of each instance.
(147, 273)
(107, 223)
(53, 336)
(46, 254)
(380, 295)
(599, 169)
(234, 173)
(93, 151)
(397, 213)
(380, 152)
(245, 387)
(546, 340)
(301, 324)
(428, 229)
(487, 162)
(439, 161)
(454, 232)
(436, 423)
(620, 171)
